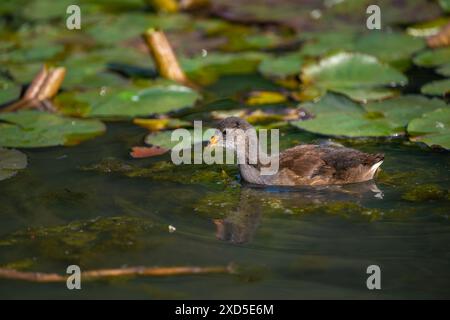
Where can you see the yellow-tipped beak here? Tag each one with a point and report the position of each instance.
(213, 141)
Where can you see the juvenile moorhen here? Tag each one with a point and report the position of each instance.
(305, 164)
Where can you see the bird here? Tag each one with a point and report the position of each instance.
(304, 164)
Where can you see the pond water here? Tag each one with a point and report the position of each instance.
(285, 243)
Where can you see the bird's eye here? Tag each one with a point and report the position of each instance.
(224, 132)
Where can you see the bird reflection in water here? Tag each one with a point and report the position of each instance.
(240, 225)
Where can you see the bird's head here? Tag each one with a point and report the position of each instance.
(231, 133)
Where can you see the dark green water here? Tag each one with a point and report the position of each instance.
(286, 243)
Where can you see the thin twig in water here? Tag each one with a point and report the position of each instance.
(109, 273)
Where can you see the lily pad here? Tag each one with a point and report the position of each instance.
(111, 30)
(281, 66)
(322, 43)
(29, 54)
(445, 5)
(29, 129)
(47, 9)
(433, 57)
(10, 162)
(207, 69)
(437, 88)
(393, 48)
(345, 72)
(433, 128)
(444, 70)
(8, 91)
(403, 109)
(161, 124)
(338, 116)
(426, 29)
(265, 97)
(127, 103)
(164, 139)
(348, 125)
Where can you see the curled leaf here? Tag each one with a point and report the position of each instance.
(147, 152)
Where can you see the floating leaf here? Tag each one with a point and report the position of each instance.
(444, 70)
(115, 102)
(367, 94)
(393, 48)
(445, 4)
(338, 116)
(281, 66)
(146, 152)
(47, 9)
(110, 30)
(437, 88)
(10, 162)
(433, 128)
(206, 69)
(426, 29)
(433, 57)
(403, 109)
(8, 91)
(325, 42)
(164, 139)
(28, 129)
(345, 72)
(28, 54)
(348, 125)
(161, 124)
(265, 97)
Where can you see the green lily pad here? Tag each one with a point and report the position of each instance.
(338, 116)
(128, 103)
(445, 5)
(114, 29)
(433, 57)
(403, 109)
(393, 48)
(29, 54)
(164, 139)
(29, 129)
(10, 162)
(367, 94)
(281, 66)
(89, 70)
(48, 9)
(348, 125)
(437, 88)
(426, 29)
(322, 43)
(444, 70)
(206, 70)
(433, 128)
(349, 73)
(8, 91)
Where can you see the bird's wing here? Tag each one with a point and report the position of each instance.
(314, 164)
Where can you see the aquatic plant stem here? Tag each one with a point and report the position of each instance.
(44, 87)
(164, 57)
(109, 273)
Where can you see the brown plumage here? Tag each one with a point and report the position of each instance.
(321, 165)
(308, 164)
